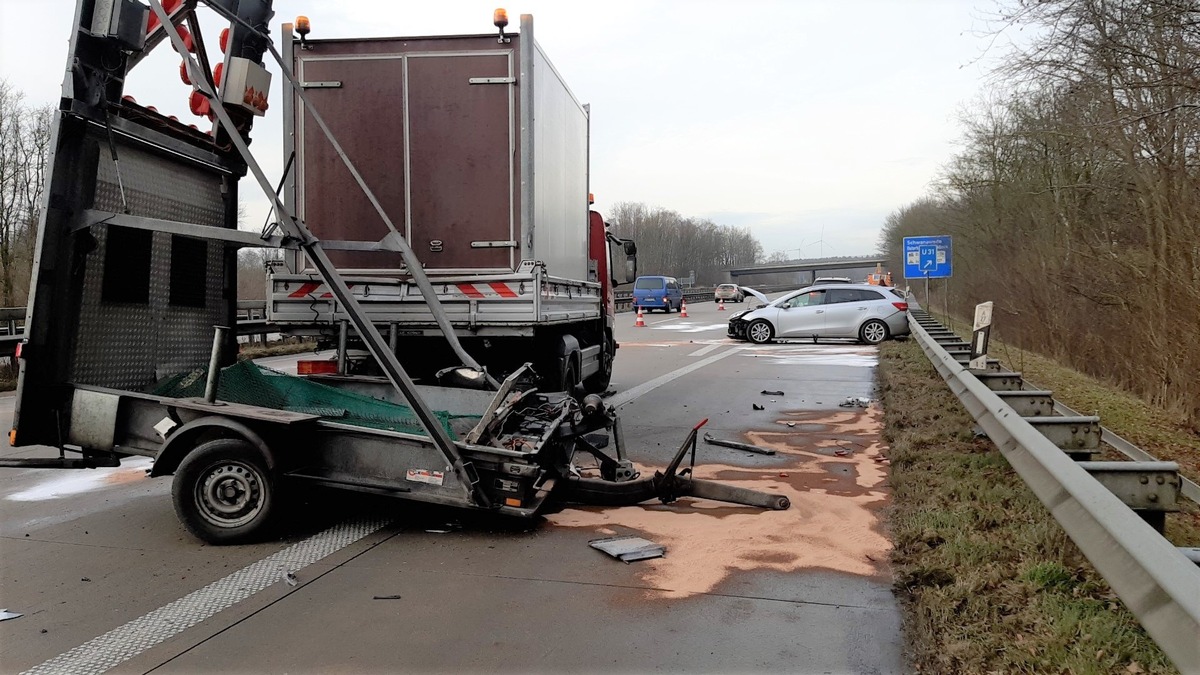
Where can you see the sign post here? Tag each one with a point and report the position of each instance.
(979, 338)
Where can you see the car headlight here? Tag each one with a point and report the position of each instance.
(739, 314)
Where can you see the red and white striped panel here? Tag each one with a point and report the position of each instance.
(475, 291)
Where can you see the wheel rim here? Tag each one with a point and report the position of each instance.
(874, 332)
(760, 332)
(230, 494)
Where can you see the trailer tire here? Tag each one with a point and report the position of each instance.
(224, 493)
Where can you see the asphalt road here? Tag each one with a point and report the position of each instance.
(105, 576)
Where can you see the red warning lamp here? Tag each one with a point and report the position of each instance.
(224, 39)
(183, 72)
(217, 73)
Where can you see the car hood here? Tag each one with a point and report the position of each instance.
(756, 294)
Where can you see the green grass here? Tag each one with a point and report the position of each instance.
(988, 580)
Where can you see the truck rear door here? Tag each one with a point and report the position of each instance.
(429, 123)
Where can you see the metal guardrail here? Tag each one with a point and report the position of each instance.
(1158, 583)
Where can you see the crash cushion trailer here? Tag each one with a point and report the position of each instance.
(127, 353)
(479, 150)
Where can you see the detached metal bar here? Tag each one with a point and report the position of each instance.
(1153, 578)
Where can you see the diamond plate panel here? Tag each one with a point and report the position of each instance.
(130, 345)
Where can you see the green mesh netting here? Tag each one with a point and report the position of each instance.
(250, 384)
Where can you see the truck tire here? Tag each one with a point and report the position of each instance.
(224, 493)
(598, 383)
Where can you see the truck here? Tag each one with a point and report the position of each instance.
(129, 350)
(478, 150)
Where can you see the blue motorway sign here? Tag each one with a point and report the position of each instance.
(927, 257)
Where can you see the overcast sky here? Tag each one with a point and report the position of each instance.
(807, 121)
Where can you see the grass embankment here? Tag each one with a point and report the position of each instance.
(989, 581)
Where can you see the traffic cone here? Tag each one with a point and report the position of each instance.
(683, 309)
(641, 322)
(721, 305)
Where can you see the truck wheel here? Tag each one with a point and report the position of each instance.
(223, 492)
(598, 383)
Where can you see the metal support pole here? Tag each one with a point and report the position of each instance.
(220, 338)
(393, 336)
(343, 334)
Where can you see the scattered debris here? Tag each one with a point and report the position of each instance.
(290, 578)
(5, 615)
(757, 406)
(791, 424)
(439, 531)
(766, 392)
(783, 474)
(737, 446)
(386, 597)
(841, 453)
(628, 549)
(85, 579)
(855, 402)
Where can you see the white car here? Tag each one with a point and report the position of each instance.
(869, 314)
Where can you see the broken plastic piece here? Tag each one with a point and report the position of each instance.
(5, 615)
(628, 549)
(290, 579)
(757, 406)
(387, 597)
(766, 392)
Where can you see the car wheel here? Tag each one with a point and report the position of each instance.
(760, 332)
(873, 332)
(223, 492)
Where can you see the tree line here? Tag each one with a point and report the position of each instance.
(24, 142)
(1075, 201)
(673, 245)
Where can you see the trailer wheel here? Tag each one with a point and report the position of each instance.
(223, 492)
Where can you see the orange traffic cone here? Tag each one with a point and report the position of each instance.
(641, 322)
(683, 309)
(721, 306)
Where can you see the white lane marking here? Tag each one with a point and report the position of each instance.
(647, 387)
(135, 637)
(704, 350)
(689, 327)
(70, 483)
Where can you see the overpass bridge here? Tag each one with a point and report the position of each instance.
(804, 271)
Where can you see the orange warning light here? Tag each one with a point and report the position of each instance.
(500, 17)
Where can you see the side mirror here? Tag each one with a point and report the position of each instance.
(622, 260)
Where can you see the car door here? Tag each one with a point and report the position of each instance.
(801, 315)
(845, 309)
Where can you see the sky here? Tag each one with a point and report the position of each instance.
(806, 121)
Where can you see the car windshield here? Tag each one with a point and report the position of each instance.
(727, 287)
(649, 283)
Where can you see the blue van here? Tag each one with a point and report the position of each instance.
(657, 293)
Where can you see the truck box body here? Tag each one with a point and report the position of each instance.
(477, 151)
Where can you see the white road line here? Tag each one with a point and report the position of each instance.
(135, 637)
(647, 387)
(704, 350)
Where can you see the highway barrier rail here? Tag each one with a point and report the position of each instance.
(1113, 511)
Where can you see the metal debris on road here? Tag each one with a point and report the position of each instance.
(386, 597)
(629, 549)
(5, 615)
(737, 446)
(766, 392)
